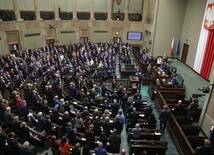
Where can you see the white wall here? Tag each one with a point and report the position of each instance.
(83, 6)
(65, 5)
(170, 18)
(34, 41)
(6, 4)
(26, 4)
(135, 6)
(46, 5)
(100, 5)
(2, 44)
(192, 27)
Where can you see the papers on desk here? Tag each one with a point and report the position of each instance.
(30, 114)
(169, 82)
(83, 139)
(157, 133)
(74, 102)
(141, 115)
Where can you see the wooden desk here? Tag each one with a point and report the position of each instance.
(165, 80)
(152, 147)
(133, 79)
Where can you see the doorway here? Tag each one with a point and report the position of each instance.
(84, 40)
(50, 42)
(117, 40)
(13, 48)
(185, 53)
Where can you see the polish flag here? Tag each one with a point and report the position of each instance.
(171, 47)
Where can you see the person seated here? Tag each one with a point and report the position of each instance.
(204, 150)
(174, 79)
(136, 131)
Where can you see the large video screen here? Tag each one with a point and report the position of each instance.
(131, 35)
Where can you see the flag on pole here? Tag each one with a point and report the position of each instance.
(177, 50)
(171, 47)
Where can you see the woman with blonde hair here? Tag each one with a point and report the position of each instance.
(24, 131)
(105, 114)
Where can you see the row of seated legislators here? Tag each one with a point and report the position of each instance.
(56, 92)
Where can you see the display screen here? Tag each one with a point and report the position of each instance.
(134, 35)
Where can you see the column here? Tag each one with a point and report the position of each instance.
(37, 12)
(16, 10)
(109, 9)
(92, 10)
(127, 10)
(74, 9)
(144, 12)
(56, 10)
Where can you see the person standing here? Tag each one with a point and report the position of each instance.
(114, 142)
(64, 146)
(100, 150)
(164, 117)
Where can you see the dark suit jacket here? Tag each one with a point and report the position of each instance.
(90, 138)
(14, 147)
(164, 115)
(114, 142)
(179, 110)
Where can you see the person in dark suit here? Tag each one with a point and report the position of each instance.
(3, 147)
(48, 125)
(55, 114)
(164, 117)
(179, 109)
(103, 139)
(41, 121)
(148, 110)
(212, 136)
(114, 108)
(8, 116)
(193, 106)
(13, 145)
(65, 119)
(25, 150)
(138, 104)
(24, 110)
(151, 122)
(90, 137)
(133, 117)
(137, 94)
(204, 150)
(117, 125)
(70, 133)
(114, 142)
(25, 132)
(97, 126)
(76, 150)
